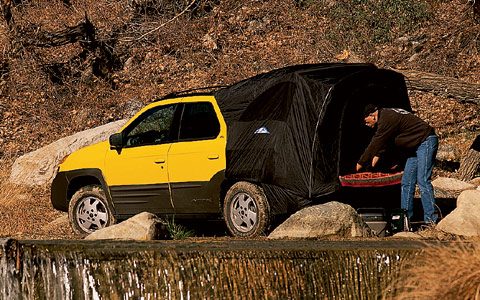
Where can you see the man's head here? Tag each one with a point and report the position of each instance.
(370, 115)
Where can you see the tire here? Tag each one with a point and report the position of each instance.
(246, 210)
(89, 210)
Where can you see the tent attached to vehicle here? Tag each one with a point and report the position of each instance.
(295, 130)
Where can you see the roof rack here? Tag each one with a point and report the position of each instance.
(191, 92)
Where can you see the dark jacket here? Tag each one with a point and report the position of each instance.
(399, 127)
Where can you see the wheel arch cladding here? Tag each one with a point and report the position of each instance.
(79, 182)
(65, 184)
(225, 186)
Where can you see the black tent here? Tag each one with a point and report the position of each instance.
(294, 130)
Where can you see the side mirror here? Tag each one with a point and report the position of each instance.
(116, 141)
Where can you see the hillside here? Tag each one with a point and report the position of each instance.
(66, 66)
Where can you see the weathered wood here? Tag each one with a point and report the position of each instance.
(471, 162)
(6, 9)
(84, 32)
(444, 86)
(476, 10)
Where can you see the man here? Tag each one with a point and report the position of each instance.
(417, 140)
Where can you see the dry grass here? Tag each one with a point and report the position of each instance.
(445, 272)
(26, 212)
(246, 38)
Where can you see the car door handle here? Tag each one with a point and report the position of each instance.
(160, 161)
(213, 156)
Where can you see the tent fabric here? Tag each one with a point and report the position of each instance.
(295, 130)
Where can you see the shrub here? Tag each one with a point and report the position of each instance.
(363, 23)
(178, 231)
(444, 272)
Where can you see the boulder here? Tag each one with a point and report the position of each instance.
(450, 187)
(332, 219)
(447, 152)
(475, 181)
(59, 222)
(406, 235)
(465, 219)
(143, 226)
(40, 166)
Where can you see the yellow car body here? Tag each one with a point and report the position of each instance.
(175, 175)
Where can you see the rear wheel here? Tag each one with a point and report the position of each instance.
(89, 210)
(246, 210)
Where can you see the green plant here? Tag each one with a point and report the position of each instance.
(178, 231)
(304, 3)
(363, 23)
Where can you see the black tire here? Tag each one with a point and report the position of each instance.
(246, 210)
(89, 210)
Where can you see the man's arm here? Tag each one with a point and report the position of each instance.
(385, 131)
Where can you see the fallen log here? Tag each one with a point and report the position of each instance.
(471, 162)
(450, 87)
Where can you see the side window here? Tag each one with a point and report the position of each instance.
(151, 128)
(199, 122)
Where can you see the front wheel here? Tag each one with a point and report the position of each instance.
(89, 210)
(246, 210)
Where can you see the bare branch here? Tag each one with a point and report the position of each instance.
(162, 25)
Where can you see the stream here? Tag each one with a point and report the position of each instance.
(201, 269)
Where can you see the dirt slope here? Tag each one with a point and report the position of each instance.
(66, 66)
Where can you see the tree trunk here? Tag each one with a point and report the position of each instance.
(476, 10)
(444, 86)
(471, 162)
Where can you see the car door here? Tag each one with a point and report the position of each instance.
(197, 161)
(137, 174)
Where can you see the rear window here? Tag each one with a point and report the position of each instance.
(199, 122)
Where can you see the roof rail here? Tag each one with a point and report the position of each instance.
(191, 92)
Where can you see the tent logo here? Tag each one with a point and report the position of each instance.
(262, 130)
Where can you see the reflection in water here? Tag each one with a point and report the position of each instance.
(199, 270)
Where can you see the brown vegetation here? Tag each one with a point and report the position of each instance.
(26, 213)
(66, 66)
(444, 272)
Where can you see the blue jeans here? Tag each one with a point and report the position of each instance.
(418, 169)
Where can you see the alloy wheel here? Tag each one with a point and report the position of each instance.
(243, 212)
(91, 214)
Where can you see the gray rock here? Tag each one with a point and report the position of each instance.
(40, 166)
(413, 57)
(465, 219)
(407, 235)
(332, 219)
(475, 181)
(143, 226)
(450, 187)
(128, 63)
(60, 221)
(209, 42)
(447, 152)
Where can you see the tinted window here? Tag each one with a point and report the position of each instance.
(152, 127)
(199, 122)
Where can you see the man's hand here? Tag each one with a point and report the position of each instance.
(358, 167)
(375, 160)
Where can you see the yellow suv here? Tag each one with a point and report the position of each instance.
(169, 159)
(292, 133)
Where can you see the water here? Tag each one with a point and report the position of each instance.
(232, 269)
